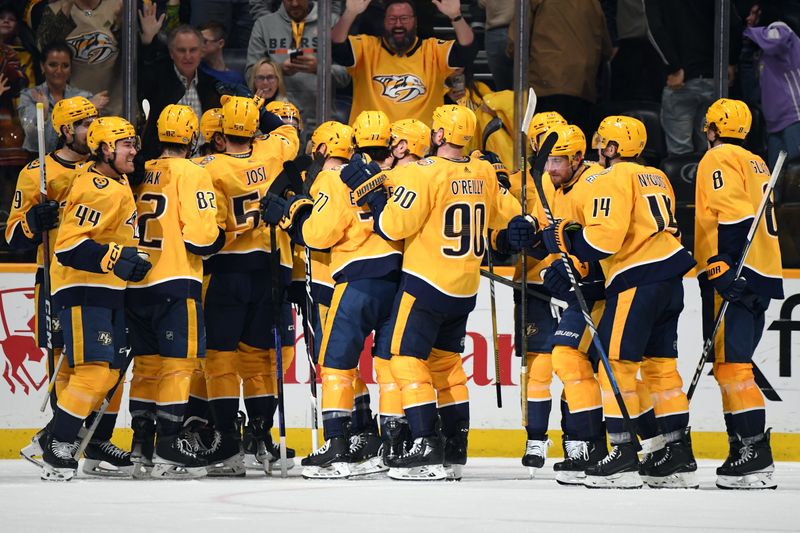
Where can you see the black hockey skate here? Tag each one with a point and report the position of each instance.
(424, 461)
(34, 448)
(652, 450)
(225, 458)
(578, 455)
(331, 461)
(175, 458)
(535, 455)
(618, 470)
(753, 469)
(102, 458)
(200, 434)
(58, 461)
(260, 452)
(142, 446)
(365, 454)
(675, 467)
(455, 452)
(395, 436)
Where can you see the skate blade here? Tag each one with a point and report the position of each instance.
(419, 473)
(373, 465)
(679, 480)
(454, 472)
(93, 467)
(270, 467)
(755, 481)
(621, 480)
(50, 473)
(571, 479)
(230, 467)
(251, 462)
(31, 458)
(334, 471)
(533, 471)
(141, 470)
(173, 471)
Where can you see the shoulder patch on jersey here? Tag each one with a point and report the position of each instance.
(425, 162)
(100, 182)
(204, 161)
(33, 164)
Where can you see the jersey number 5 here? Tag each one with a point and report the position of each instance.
(466, 224)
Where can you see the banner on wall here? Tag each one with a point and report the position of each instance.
(23, 364)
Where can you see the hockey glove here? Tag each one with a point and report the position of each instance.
(556, 236)
(523, 232)
(499, 168)
(272, 209)
(130, 266)
(296, 208)
(362, 178)
(721, 274)
(556, 279)
(42, 217)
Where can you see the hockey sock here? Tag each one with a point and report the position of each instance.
(144, 384)
(540, 375)
(450, 381)
(453, 418)
(742, 401)
(665, 388)
(109, 419)
(419, 400)
(337, 400)
(173, 393)
(582, 392)
(625, 374)
(362, 419)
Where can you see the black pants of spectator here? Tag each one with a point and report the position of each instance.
(574, 110)
(233, 14)
(637, 72)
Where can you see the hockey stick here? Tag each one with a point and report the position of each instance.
(587, 317)
(494, 125)
(495, 345)
(518, 287)
(762, 207)
(522, 347)
(52, 367)
(104, 406)
(276, 303)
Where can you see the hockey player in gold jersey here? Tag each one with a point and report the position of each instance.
(96, 257)
(410, 141)
(629, 227)
(237, 300)
(30, 218)
(730, 184)
(177, 210)
(440, 207)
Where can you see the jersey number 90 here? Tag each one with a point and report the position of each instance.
(465, 224)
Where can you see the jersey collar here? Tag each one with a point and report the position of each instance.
(414, 47)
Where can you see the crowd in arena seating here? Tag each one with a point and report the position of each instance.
(653, 60)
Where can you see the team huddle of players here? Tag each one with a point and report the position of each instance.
(192, 270)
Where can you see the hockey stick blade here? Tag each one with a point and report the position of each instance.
(529, 111)
(537, 167)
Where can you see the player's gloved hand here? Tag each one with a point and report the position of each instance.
(523, 232)
(272, 208)
(295, 208)
(42, 217)
(362, 178)
(499, 168)
(130, 266)
(556, 236)
(556, 279)
(721, 274)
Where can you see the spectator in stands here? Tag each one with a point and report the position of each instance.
(213, 63)
(779, 66)
(683, 35)
(234, 15)
(410, 70)
(637, 72)
(12, 156)
(499, 14)
(91, 29)
(175, 79)
(747, 73)
(569, 41)
(16, 34)
(288, 37)
(57, 69)
(266, 81)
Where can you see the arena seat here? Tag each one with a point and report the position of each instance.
(681, 171)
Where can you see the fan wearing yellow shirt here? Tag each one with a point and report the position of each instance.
(399, 73)
(730, 184)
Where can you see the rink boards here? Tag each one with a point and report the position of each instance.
(496, 432)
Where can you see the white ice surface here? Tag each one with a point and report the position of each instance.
(495, 496)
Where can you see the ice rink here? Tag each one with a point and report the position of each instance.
(494, 496)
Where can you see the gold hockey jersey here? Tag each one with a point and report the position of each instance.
(177, 223)
(443, 209)
(99, 211)
(730, 184)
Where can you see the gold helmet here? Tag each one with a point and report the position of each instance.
(68, 111)
(458, 123)
(211, 123)
(731, 118)
(337, 137)
(414, 133)
(629, 134)
(371, 129)
(287, 111)
(571, 140)
(541, 123)
(109, 130)
(177, 124)
(239, 116)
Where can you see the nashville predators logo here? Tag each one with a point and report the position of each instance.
(93, 47)
(401, 87)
